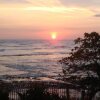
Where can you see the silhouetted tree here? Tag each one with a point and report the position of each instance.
(84, 60)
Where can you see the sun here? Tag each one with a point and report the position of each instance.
(54, 35)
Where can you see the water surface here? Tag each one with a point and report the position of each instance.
(33, 58)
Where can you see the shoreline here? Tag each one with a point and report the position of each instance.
(9, 78)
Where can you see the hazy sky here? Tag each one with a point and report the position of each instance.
(37, 19)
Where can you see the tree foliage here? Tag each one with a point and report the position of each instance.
(83, 63)
(85, 56)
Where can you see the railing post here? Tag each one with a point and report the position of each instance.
(83, 95)
(68, 95)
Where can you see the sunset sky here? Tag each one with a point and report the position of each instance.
(38, 19)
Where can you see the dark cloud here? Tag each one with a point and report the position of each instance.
(85, 3)
(13, 1)
(97, 15)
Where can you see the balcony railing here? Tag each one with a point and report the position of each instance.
(41, 90)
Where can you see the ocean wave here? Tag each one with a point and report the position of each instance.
(2, 50)
(27, 54)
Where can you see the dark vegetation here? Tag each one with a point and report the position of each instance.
(4, 95)
(4, 92)
(82, 67)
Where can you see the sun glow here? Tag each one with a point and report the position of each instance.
(54, 35)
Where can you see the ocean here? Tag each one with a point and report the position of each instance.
(33, 58)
